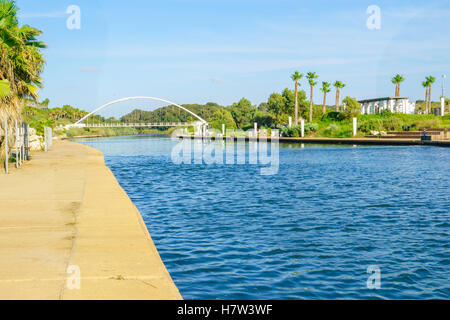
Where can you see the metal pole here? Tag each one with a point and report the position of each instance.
(6, 146)
(17, 146)
(25, 147)
(443, 79)
(21, 145)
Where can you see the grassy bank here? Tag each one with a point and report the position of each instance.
(113, 132)
(336, 125)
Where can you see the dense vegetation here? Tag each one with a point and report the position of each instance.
(271, 114)
(38, 117)
(21, 63)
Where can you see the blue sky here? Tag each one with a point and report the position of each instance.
(220, 51)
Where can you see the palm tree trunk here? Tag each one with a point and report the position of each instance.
(398, 90)
(429, 100)
(338, 93)
(426, 101)
(311, 106)
(324, 103)
(296, 102)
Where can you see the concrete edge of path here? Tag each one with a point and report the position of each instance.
(69, 231)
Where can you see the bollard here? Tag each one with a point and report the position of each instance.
(6, 146)
(355, 126)
(17, 146)
(290, 122)
(45, 139)
(302, 123)
(26, 143)
(21, 145)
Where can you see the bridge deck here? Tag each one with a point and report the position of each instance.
(138, 125)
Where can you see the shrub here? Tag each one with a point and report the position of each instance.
(371, 125)
(386, 113)
(352, 107)
(333, 116)
(311, 127)
(333, 127)
(392, 124)
(264, 119)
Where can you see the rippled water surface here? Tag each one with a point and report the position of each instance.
(309, 232)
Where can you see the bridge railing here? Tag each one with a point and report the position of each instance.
(158, 124)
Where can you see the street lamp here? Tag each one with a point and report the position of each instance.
(443, 79)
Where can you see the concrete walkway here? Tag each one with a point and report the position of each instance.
(66, 209)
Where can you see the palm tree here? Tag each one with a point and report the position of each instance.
(426, 86)
(325, 89)
(338, 85)
(21, 63)
(397, 80)
(296, 77)
(311, 77)
(430, 81)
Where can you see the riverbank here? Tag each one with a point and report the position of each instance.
(346, 141)
(66, 209)
(113, 132)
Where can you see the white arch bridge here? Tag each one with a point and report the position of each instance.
(201, 123)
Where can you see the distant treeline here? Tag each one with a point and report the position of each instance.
(173, 113)
(275, 112)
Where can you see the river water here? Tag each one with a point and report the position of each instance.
(333, 218)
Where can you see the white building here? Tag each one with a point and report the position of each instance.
(395, 105)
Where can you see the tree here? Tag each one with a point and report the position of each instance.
(430, 81)
(45, 103)
(243, 113)
(426, 86)
(264, 119)
(289, 97)
(338, 85)
(397, 80)
(277, 106)
(296, 77)
(325, 89)
(311, 77)
(222, 116)
(263, 106)
(21, 63)
(352, 107)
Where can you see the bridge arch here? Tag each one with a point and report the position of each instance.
(204, 122)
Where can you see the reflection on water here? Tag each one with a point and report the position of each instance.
(309, 232)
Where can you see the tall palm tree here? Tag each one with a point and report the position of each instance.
(325, 89)
(338, 85)
(426, 86)
(430, 81)
(296, 77)
(311, 77)
(21, 63)
(397, 80)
